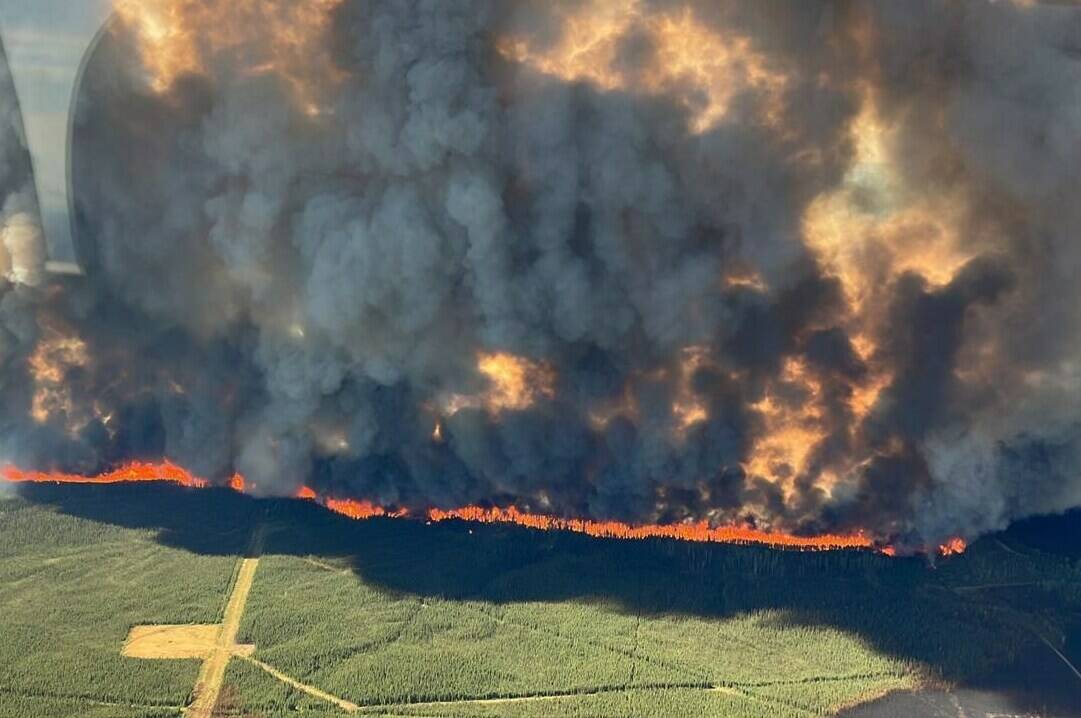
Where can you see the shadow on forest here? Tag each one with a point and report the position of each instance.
(974, 618)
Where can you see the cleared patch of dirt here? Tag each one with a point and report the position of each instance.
(171, 641)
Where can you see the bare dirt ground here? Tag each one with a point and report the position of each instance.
(167, 641)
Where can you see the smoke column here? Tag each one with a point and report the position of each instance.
(809, 266)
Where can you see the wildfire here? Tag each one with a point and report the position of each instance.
(133, 472)
(355, 509)
(954, 546)
(699, 532)
(690, 60)
(285, 38)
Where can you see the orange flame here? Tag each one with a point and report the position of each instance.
(953, 547)
(699, 532)
(133, 472)
(356, 509)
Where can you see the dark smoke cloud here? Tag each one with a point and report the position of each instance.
(299, 297)
(22, 259)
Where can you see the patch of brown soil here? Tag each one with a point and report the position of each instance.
(169, 641)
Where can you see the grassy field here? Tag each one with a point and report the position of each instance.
(398, 618)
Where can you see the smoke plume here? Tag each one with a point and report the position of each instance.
(809, 265)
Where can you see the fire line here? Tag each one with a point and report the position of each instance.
(697, 532)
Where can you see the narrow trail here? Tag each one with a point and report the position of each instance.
(328, 567)
(1061, 655)
(212, 674)
(1007, 548)
(345, 705)
(1012, 584)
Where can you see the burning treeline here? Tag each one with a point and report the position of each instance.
(701, 532)
(800, 269)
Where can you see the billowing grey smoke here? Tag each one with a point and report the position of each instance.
(303, 281)
(22, 258)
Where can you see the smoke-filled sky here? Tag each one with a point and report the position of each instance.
(810, 265)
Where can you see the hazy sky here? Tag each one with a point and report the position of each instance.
(45, 41)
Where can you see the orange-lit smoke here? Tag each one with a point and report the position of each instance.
(284, 38)
(793, 428)
(514, 384)
(691, 61)
(874, 221)
(688, 407)
(56, 353)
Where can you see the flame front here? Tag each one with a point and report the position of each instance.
(696, 531)
(134, 472)
(700, 531)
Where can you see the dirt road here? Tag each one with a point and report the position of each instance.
(208, 686)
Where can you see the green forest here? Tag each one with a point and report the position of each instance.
(395, 617)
